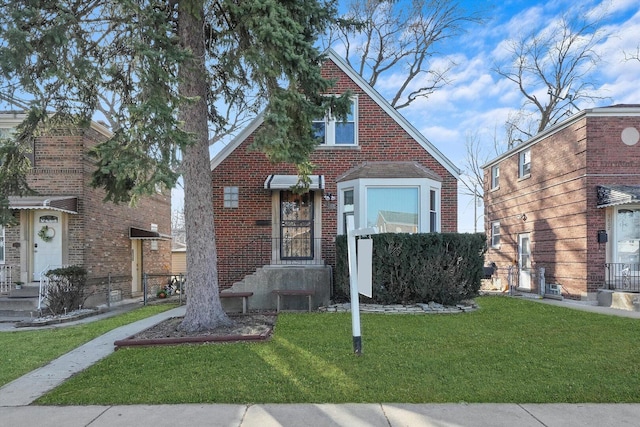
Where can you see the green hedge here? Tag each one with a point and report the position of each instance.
(409, 268)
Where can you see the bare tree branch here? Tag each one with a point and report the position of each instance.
(635, 56)
(472, 176)
(553, 70)
(394, 35)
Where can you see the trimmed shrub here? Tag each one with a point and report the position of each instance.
(67, 290)
(409, 268)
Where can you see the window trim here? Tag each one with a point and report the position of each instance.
(522, 155)
(360, 186)
(494, 225)
(228, 199)
(495, 177)
(330, 121)
(3, 253)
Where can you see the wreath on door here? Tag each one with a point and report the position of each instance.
(46, 233)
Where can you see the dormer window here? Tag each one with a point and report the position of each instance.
(332, 131)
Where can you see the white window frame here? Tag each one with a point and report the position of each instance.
(434, 210)
(360, 186)
(347, 210)
(495, 177)
(231, 197)
(495, 226)
(3, 253)
(330, 121)
(524, 163)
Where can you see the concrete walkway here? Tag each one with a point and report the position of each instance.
(27, 388)
(17, 396)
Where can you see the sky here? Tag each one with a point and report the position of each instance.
(478, 102)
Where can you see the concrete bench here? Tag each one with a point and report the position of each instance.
(293, 292)
(244, 295)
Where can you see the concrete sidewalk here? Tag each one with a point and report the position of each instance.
(321, 415)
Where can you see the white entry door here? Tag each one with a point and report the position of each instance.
(524, 260)
(47, 241)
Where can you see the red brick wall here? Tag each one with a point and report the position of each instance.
(610, 162)
(380, 139)
(98, 236)
(107, 247)
(559, 201)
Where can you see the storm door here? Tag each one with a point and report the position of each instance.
(47, 242)
(524, 260)
(296, 225)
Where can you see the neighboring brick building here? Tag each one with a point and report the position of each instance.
(375, 163)
(568, 200)
(68, 223)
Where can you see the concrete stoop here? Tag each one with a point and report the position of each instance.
(20, 302)
(621, 300)
(269, 278)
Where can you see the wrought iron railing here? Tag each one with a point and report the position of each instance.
(268, 251)
(43, 291)
(623, 276)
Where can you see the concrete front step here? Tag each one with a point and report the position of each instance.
(25, 292)
(19, 304)
(13, 316)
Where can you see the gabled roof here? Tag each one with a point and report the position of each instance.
(375, 96)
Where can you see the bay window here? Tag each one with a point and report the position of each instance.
(392, 205)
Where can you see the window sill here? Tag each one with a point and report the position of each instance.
(337, 147)
(522, 178)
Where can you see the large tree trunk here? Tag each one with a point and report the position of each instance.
(204, 310)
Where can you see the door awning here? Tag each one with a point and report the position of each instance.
(615, 195)
(142, 234)
(68, 204)
(285, 182)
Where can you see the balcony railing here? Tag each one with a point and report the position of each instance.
(623, 276)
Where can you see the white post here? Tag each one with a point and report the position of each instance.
(353, 286)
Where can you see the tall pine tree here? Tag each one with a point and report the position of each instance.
(164, 69)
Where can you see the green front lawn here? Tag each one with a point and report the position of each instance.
(24, 351)
(510, 350)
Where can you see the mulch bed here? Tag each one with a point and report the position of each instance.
(246, 327)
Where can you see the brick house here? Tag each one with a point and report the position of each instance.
(568, 200)
(375, 166)
(67, 222)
